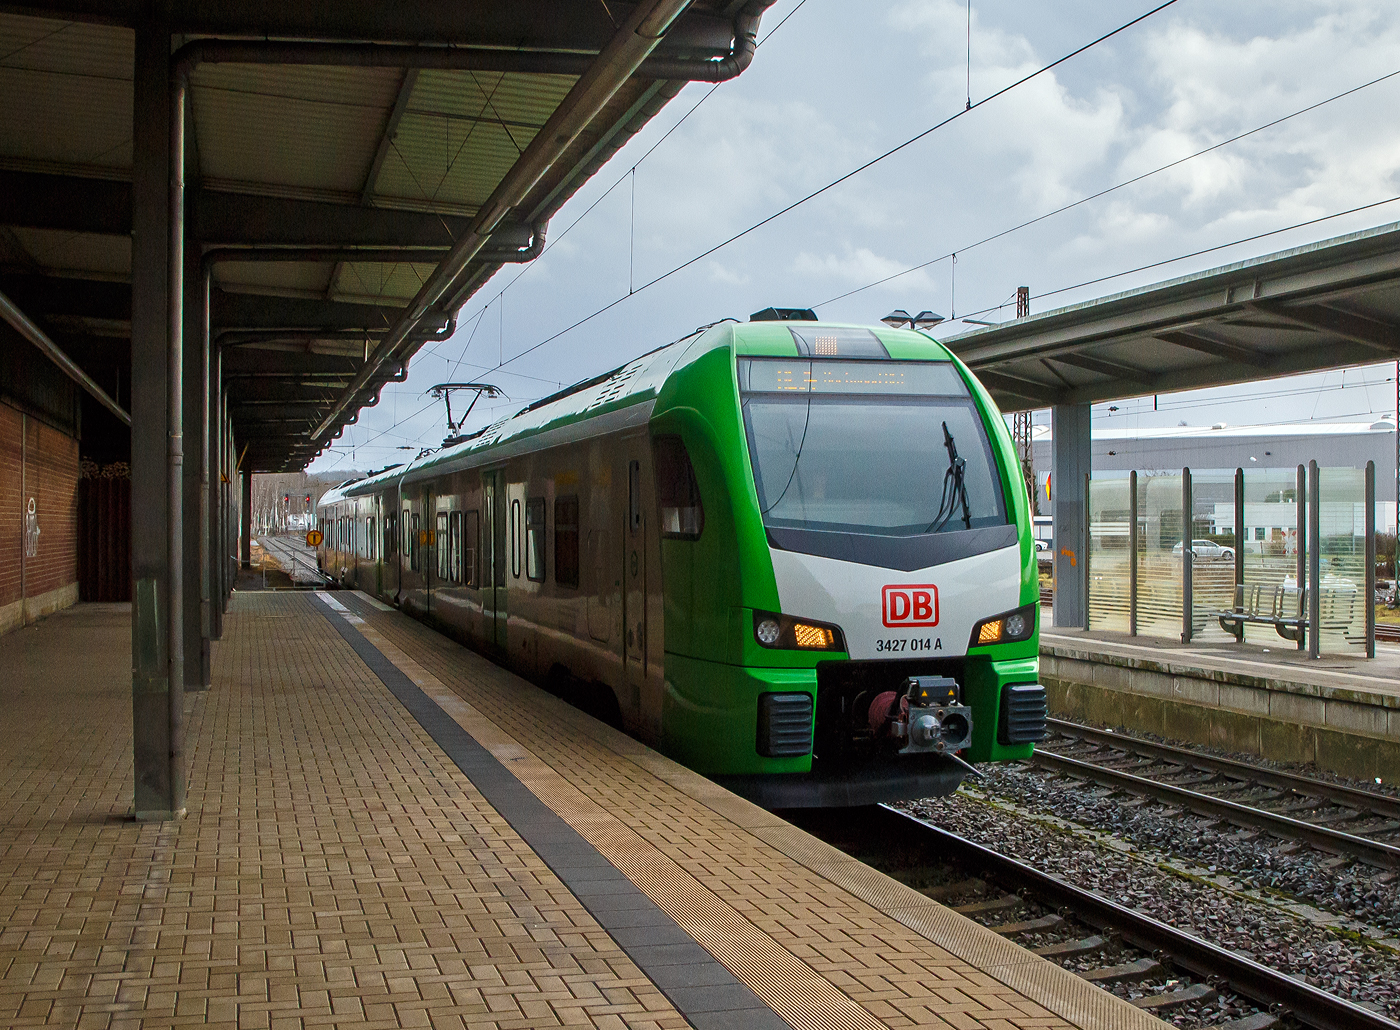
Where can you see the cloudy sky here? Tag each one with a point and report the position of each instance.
(840, 83)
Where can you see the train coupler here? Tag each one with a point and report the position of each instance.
(934, 720)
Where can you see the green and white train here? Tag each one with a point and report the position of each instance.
(795, 556)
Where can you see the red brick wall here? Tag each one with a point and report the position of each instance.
(11, 526)
(48, 472)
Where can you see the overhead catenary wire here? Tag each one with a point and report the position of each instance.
(845, 177)
(1222, 246)
(1195, 253)
(1105, 192)
(500, 296)
(631, 171)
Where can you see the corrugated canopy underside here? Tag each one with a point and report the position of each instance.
(1323, 306)
(293, 156)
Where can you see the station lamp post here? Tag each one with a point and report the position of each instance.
(899, 318)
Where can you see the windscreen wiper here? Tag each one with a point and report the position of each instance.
(954, 488)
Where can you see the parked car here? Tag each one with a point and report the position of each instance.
(1206, 550)
(1044, 546)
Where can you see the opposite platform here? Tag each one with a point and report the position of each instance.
(345, 862)
(1338, 712)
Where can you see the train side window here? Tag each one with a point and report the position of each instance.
(534, 538)
(391, 534)
(454, 548)
(408, 534)
(515, 538)
(566, 541)
(471, 537)
(634, 495)
(677, 492)
(413, 542)
(444, 547)
(369, 537)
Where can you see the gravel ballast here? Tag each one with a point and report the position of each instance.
(1015, 810)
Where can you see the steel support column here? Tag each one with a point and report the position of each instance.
(1240, 531)
(1188, 557)
(230, 551)
(1370, 559)
(214, 492)
(1134, 537)
(1315, 561)
(1071, 459)
(1302, 570)
(245, 539)
(196, 475)
(156, 625)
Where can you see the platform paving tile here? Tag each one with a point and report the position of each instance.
(336, 869)
(800, 941)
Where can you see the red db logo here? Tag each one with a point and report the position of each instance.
(915, 605)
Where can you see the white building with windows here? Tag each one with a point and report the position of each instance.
(1221, 447)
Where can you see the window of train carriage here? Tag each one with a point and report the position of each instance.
(534, 538)
(634, 495)
(566, 541)
(515, 538)
(369, 537)
(677, 493)
(413, 542)
(408, 534)
(471, 538)
(391, 536)
(454, 545)
(444, 548)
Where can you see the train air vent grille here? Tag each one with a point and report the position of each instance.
(1022, 714)
(616, 386)
(784, 725)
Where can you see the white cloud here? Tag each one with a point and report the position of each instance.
(843, 82)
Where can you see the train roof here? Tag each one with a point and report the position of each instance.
(641, 380)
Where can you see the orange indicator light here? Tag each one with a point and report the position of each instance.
(990, 632)
(811, 636)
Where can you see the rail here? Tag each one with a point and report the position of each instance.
(287, 550)
(1373, 852)
(1203, 960)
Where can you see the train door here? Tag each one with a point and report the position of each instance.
(601, 566)
(525, 640)
(493, 558)
(647, 702)
(428, 560)
(389, 566)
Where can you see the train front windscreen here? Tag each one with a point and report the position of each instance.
(873, 448)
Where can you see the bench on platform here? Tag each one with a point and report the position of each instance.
(1285, 608)
(1282, 607)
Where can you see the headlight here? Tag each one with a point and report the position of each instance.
(786, 632)
(1006, 628)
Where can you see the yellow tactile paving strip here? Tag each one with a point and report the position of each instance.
(336, 868)
(825, 940)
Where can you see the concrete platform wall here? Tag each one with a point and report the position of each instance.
(1350, 732)
(40, 463)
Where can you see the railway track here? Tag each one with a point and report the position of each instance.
(285, 551)
(1105, 942)
(1332, 817)
(1388, 633)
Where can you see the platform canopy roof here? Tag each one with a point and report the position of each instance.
(329, 191)
(1328, 305)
